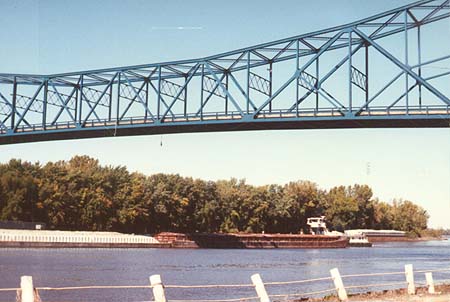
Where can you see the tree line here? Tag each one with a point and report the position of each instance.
(81, 194)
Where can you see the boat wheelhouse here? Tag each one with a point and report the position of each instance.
(359, 240)
(317, 225)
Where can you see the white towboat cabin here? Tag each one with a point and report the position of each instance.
(317, 225)
(359, 240)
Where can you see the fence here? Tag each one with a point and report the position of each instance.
(28, 293)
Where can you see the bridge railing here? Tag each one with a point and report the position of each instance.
(331, 112)
(404, 281)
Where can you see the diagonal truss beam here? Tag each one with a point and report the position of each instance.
(403, 67)
(175, 98)
(160, 97)
(133, 99)
(211, 93)
(22, 115)
(299, 71)
(233, 79)
(99, 99)
(64, 105)
(361, 109)
(137, 94)
(342, 62)
(223, 88)
(10, 106)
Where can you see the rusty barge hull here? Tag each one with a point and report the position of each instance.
(251, 241)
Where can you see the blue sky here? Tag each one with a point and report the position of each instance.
(60, 36)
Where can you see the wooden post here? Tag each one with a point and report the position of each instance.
(158, 289)
(430, 283)
(260, 289)
(26, 286)
(410, 279)
(342, 293)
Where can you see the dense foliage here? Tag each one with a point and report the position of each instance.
(80, 194)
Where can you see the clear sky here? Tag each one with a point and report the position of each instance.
(60, 36)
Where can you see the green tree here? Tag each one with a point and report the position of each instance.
(409, 217)
(383, 216)
(81, 194)
(18, 192)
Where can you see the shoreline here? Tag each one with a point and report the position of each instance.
(398, 295)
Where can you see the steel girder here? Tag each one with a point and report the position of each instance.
(306, 81)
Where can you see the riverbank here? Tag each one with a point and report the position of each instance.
(398, 295)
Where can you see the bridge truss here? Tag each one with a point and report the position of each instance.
(388, 70)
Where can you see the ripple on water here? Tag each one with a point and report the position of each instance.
(77, 267)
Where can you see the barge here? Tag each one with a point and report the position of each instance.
(250, 240)
(320, 237)
(13, 238)
(379, 235)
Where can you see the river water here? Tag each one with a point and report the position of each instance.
(80, 267)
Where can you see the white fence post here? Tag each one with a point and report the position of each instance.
(342, 293)
(26, 286)
(158, 289)
(430, 283)
(410, 279)
(260, 289)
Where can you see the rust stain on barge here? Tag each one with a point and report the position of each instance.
(251, 241)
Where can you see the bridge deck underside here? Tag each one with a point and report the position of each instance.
(232, 122)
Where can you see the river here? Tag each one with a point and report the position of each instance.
(80, 267)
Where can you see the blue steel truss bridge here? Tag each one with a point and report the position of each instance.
(388, 70)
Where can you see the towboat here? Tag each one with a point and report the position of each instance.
(320, 237)
(359, 240)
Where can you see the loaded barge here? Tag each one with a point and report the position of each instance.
(13, 238)
(379, 235)
(251, 241)
(320, 237)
